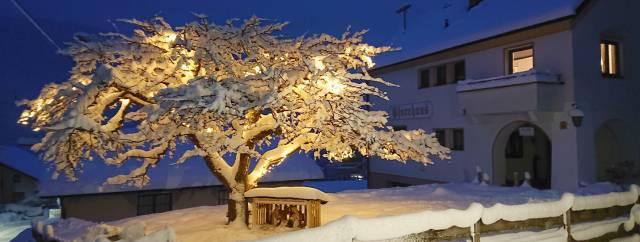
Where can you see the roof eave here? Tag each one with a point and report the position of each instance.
(382, 69)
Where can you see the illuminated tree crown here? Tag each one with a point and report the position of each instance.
(223, 90)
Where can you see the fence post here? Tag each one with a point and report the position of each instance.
(475, 232)
(566, 220)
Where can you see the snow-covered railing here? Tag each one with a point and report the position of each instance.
(533, 76)
(571, 218)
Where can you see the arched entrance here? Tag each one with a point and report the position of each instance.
(522, 147)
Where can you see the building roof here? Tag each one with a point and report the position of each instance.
(168, 175)
(426, 32)
(22, 160)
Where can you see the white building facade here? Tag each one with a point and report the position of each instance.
(557, 99)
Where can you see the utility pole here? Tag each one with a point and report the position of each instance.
(403, 10)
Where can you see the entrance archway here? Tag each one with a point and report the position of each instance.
(522, 147)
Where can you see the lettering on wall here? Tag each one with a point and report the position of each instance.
(411, 110)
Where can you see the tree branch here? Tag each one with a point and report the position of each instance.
(277, 155)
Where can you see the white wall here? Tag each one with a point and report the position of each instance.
(600, 98)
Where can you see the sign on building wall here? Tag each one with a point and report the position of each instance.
(526, 131)
(411, 110)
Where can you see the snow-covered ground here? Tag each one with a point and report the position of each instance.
(208, 223)
(9, 231)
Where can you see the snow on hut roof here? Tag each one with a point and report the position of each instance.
(290, 192)
(168, 175)
(436, 25)
(23, 160)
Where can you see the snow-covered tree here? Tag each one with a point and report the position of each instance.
(226, 91)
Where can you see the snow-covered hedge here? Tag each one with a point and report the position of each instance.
(349, 228)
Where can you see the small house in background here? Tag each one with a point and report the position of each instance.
(20, 173)
(172, 186)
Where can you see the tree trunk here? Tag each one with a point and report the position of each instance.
(237, 211)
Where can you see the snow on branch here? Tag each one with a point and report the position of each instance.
(233, 88)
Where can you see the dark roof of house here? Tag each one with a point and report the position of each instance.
(427, 34)
(22, 160)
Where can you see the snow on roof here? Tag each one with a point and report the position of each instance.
(426, 32)
(22, 160)
(168, 175)
(290, 192)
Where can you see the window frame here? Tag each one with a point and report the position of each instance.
(420, 75)
(454, 145)
(154, 203)
(618, 70)
(438, 68)
(457, 64)
(444, 136)
(223, 196)
(509, 56)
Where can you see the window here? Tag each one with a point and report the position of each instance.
(459, 71)
(520, 59)
(16, 178)
(399, 127)
(441, 136)
(514, 146)
(458, 139)
(424, 79)
(609, 58)
(223, 196)
(17, 196)
(441, 75)
(451, 138)
(398, 184)
(154, 203)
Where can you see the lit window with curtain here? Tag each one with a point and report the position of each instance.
(609, 58)
(520, 59)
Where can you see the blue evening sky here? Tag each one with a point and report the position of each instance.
(29, 61)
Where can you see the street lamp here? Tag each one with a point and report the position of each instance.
(576, 115)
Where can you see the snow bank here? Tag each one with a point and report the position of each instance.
(400, 225)
(349, 228)
(165, 235)
(341, 230)
(290, 192)
(598, 188)
(550, 235)
(527, 211)
(632, 238)
(77, 230)
(606, 200)
(591, 230)
(61, 229)
(15, 218)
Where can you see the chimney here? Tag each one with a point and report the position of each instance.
(473, 3)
